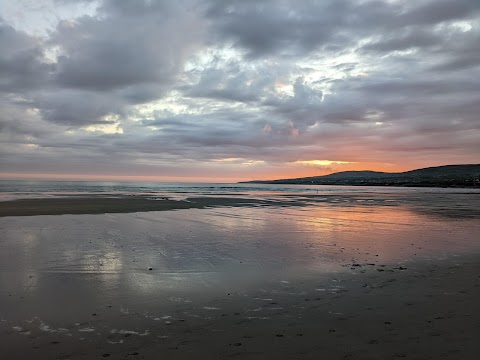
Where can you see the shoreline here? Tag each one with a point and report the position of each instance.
(102, 205)
(365, 185)
(459, 205)
(414, 310)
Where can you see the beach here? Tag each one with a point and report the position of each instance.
(427, 311)
(369, 275)
(270, 180)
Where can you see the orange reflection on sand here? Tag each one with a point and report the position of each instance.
(389, 232)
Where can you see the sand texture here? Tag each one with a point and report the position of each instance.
(427, 311)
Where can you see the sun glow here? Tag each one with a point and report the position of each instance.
(240, 161)
(106, 129)
(323, 162)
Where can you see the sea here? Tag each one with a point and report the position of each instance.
(20, 189)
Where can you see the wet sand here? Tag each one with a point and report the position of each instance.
(334, 277)
(423, 311)
(465, 204)
(99, 205)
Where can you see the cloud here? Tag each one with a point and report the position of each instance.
(271, 83)
(99, 65)
(130, 45)
(269, 27)
(413, 38)
(22, 65)
(77, 108)
(276, 27)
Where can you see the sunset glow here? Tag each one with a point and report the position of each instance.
(322, 162)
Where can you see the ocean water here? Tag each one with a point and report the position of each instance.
(10, 190)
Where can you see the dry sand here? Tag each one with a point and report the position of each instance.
(120, 204)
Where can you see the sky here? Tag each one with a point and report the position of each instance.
(231, 90)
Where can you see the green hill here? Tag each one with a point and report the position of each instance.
(440, 176)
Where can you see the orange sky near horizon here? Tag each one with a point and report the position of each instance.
(257, 173)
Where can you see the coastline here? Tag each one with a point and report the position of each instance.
(455, 204)
(446, 176)
(367, 184)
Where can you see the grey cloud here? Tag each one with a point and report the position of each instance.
(459, 63)
(356, 97)
(267, 27)
(304, 93)
(22, 65)
(460, 52)
(130, 54)
(14, 123)
(77, 108)
(437, 11)
(418, 87)
(412, 39)
(379, 15)
(132, 44)
(233, 82)
(281, 27)
(217, 84)
(302, 108)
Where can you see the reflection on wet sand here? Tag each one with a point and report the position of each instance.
(452, 203)
(209, 245)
